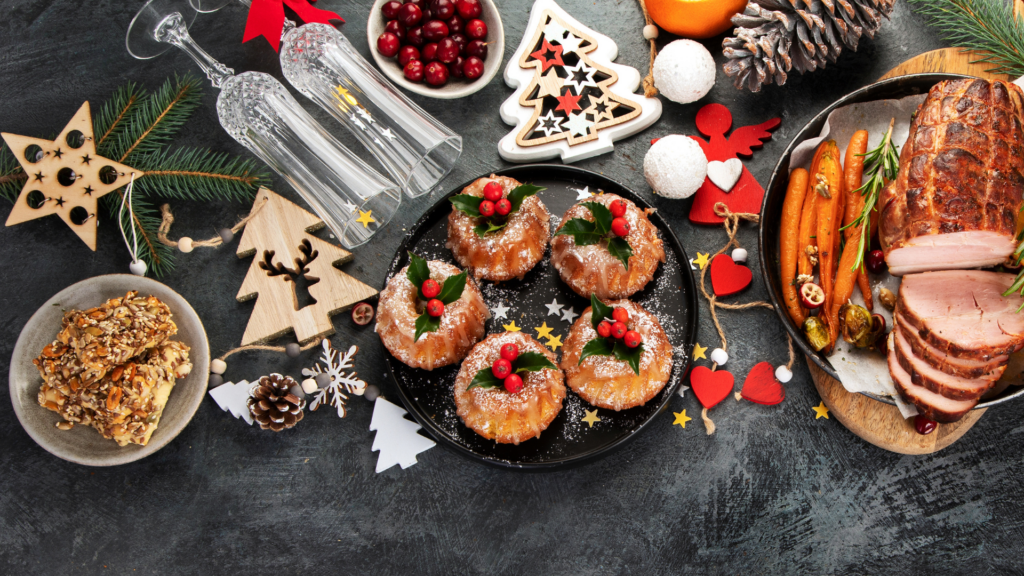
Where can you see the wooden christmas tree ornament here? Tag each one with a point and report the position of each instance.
(66, 177)
(293, 276)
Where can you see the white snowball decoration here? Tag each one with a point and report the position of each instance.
(650, 32)
(218, 366)
(675, 166)
(684, 71)
(719, 356)
(783, 374)
(739, 255)
(138, 267)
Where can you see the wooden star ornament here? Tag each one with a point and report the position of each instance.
(67, 177)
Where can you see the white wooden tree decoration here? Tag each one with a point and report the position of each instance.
(293, 276)
(396, 437)
(66, 177)
(232, 397)
(342, 383)
(570, 99)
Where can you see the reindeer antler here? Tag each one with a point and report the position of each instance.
(308, 255)
(274, 269)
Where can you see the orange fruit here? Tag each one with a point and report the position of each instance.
(694, 18)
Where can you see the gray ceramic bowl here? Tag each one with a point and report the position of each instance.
(83, 444)
(456, 87)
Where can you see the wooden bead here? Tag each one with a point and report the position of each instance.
(323, 380)
(739, 255)
(216, 380)
(185, 244)
(138, 267)
(226, 235)
(218, 366)
(719, 356)
(650, 32)
(783, 374)
(293, 350)
(371, 393)
(309, 386)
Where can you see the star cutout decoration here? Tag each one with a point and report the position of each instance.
(45, 171)
(365, 218)
(578, 125)
(542, 55)
(701, 260)
(601, 107)
(682, 391)
(820, 411)
(681, 418)
(86, 159)
(549, 84)
(571, 43)
(568, 102)
(554, 342)
(511, 327)
(698, 351)
(543, 331)
(580, 76)
(549, 123)
(591, 417)
(584, 193)
(58, 153)
(554, 31)
(568, 315)
(554, 308)
(388, 134)
(499, 311)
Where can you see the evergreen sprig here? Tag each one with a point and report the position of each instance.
(986, 26)
(153, 122)
(12, 178)
(198, 174)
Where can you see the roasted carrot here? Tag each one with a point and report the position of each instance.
(846, 277)
(789, 242)
(806, 242)
(853, 173)
(828, 183)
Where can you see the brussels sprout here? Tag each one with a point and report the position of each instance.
(814, 330)
(855, 325)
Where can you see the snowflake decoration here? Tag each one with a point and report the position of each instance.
(342, 383)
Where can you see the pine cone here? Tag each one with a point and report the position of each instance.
(273, 405)
(775, 36)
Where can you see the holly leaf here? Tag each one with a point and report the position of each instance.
(426, 323)
(602, 216)
(598, 311)
(621, 250)
(418, 272)
(452, 288)
(520, 193)
(596, 347)
(532, 362)
(629, 355)
(467, 204)
(485, 379)
(487, 227)
(584, 232)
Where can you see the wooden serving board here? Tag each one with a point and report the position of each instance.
(879, 423)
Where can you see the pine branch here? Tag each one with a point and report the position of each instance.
(986, 26)
(159, 257)
(112, 120)
(197, 174)
(157, 119)
(12, 177)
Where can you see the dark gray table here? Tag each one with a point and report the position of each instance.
(773, 491)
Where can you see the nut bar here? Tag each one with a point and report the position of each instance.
(125, 405)
(118, 330)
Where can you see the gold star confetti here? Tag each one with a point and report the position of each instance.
(365, 218)
(591, 417)
(543, 331)
(554, 342)
(681, 418)
(701, 260)
(345, 94)
(820, 410)
(511, 327)
(698, 351)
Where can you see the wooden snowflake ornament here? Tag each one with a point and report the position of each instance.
(66, 177)
(293, 276)
(570, 99)
(342, 383)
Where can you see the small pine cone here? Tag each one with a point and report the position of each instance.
(273, 405)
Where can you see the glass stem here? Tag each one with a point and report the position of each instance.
(173, 31)
(288, 24)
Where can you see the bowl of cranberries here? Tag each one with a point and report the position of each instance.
(438, 48)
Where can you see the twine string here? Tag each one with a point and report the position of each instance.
(224, 356)
(649, 89)
(167, 219)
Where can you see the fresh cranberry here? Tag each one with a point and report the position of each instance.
(406, 54)
(632, 339)
(414, 37)
(410, 15)
(620, 226)
(421, 4)
(435, 307)
(428, 14)
(430, 52)
(387, 44)
(461, 40)
(455, 24)
(513, 383)
(621, 315)
(510, 351)
(501, 368)
(477, 48)
(436, 74)
(503, 207)
(619, 329)
(434, 30)
(413, 71)
(390, 9)
(447, 50)
(443, 9)
(396, 28)
(430, 289)
(875, 261)
(617, 208)
(455, 68)
(924, 425)
(486, 208)
(604, 329)
(493, 191)
(473, 68)
(469, 9)
(476, 29)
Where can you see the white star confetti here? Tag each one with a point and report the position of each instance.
(549, 123)
(584, 193)
(366, 115)
(568, 315)
(580, 69)
(357, 122)
(388, 134)
(578, 125)
(570, 43)
(692, 267)
(682, 391)
(499, 311)
(554, 308)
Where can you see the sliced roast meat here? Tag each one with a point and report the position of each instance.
(974, 249)
(962, 367)
(931, 405)
(921, 374)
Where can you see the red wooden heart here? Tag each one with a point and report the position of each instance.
(761, 387)
(728, 277)
(709, 387)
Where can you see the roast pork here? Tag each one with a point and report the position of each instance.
(930, 404)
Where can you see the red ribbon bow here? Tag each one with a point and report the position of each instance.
(266, 18)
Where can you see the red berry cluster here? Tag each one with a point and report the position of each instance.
(494, 202)
(620, 226)
(619, 329)
(430, 290)
(443, 40)
(502, 368)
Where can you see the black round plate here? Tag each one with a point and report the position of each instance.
(671, 296)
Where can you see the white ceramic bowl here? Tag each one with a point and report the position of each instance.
(83, 444)
(456, 88)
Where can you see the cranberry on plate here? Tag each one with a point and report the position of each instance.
(413, 71)
(473, 68)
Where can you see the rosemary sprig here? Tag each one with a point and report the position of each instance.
(986, 26)
(1018, 282)
(882, 163)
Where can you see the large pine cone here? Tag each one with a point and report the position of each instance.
(273, 405)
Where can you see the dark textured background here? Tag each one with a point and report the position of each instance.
(773, 491)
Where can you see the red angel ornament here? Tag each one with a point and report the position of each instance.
(266, 18)
(714, 120)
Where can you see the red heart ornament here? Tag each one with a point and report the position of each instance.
(710, 387)
(761, 387)
(728, 277)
